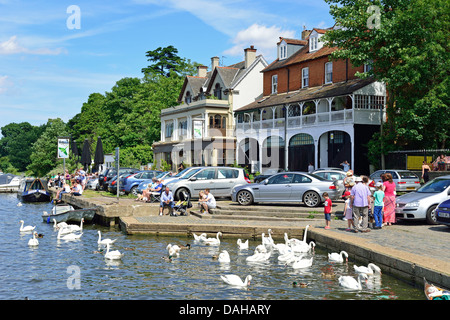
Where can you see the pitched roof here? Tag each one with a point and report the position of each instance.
(305, 94)
(293, 41)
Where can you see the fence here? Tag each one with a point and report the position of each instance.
(413, 159)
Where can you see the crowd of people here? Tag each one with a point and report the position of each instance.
(74, 183)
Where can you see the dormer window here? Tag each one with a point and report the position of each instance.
(283, 51)
(218, 91)
(313, 44)
(188, 97)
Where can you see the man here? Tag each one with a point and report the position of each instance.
(147, 192)
(310, 168)
(77, 190)
(346, 165)
(360, 198)
(209, 202)
(166, 201)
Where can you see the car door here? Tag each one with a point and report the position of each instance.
(204, 179)
(277, 188)
(225, 181)
(300, 184)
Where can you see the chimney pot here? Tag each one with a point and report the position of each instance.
(250, 56)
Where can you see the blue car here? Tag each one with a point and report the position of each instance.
(129, 184)
(443, 213)
(144, 184)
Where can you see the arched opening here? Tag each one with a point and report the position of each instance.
(273, 153)
(301, 152)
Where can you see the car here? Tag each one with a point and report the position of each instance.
(287, 187)
(102, 178)
(442, 213)
(123, 172)
(130, 183)
(330, 168)
(112, 172)
(261, 177)
(92, 184)
(144, 183)
(333, 175)
(421, 204)
(405, 180)
(220, 181)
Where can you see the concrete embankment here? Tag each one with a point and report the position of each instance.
(410, 251)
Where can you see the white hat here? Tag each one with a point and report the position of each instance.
(358, 179)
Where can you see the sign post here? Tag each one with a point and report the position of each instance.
(63, 151)
(117, 158)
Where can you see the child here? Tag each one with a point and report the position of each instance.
(348, 211)
(327, 210)
(201, 199)
(378, 206)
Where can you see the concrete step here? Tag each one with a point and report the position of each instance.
(217, 214)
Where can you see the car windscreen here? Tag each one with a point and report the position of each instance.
(161, 175)
(317, 177)
(407, 175)
(179, 174)
(434, 186)
(191, 173)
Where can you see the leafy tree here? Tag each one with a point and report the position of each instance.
(410, 53)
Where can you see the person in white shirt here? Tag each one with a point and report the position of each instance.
(77, 190)
(209, 202)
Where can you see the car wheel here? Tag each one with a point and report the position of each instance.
(311, 199)
(134, 191)
(180, 191)
(431, 215)
(244, 197)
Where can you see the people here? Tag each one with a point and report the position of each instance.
(389, 199)
(166, 201)
(425, 170)
(346, 165)
(310, 168)
(327, 209)
(209, 202)
(201, 196)
(60, 192)
(378, 205)
(77, 190)
(146, 193)
(180, 167)
(442, 163)
(349, 180)
(360, 201)
(348, 211)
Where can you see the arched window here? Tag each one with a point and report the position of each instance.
(218, 91)
(217, 121)
(301, 139)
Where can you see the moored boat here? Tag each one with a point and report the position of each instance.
(433, 292)
(33, 190)
(9, 182)
(66, 213)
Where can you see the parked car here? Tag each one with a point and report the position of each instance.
(144, 183)
(421, 204)
(123, 172)
(261, 177)
(287, 187)
(333, 175)
(405, 180)
(330, 168)
(220, 181)
(112, 172)
(102, 178)
(130, 183)
(92, 184)
(443, 213)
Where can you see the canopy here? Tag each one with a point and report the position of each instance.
(86, 158)
(75, 152)
(99, 157)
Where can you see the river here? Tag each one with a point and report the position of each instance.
(61, 270)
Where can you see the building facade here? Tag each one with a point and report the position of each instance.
(201, 129)
(313, 110)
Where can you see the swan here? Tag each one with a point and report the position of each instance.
(19, 204)
(33, 241)
(200, 238)
(242, 245)
(282, 248)
(350, 282)
(303, 247)
(258, 256)
(214, 241)
(234, 280)
(338, 257)
(70, 236)
(304, 234)
(267, 241)
(224, 256)
(302, 263)
(173, 249)
(27, 228)
(369, 270)
(74, 227)
(112, 255)
(59, 225)
(287, 257)
(104, 241)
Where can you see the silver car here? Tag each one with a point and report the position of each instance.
(333, 175)
(287, 187)
(420, 204)
(219, 180)
(92, 184)
(405, 180)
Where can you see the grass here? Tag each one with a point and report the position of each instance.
(88, 193)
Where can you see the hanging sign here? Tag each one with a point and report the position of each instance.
(63, 148)
(198, 129)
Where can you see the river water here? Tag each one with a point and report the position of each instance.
(61, 270)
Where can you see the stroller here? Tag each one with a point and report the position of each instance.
(182, 205)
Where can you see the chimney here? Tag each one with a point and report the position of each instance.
(305, 33)
(201, 71)
(250, 56)
(214, 63)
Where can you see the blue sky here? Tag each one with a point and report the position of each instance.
(47, 69)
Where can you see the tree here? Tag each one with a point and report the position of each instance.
(409, 51)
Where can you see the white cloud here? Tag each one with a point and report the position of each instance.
(11, 46)
(5, 84)
(262, 37)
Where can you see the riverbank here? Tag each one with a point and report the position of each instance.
(410, 251)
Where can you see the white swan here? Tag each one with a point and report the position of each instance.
(304, 234)
(350, 282)
(303, 247)
(33, 241)
(19, 204)
(27, 228)
(59, 225)
(173, 250)
(242, 245)
(104, 241)
(200, 238)
(267, 241)
(70, 236)
(224, 256)
(369, 270)
(260, 254)
(75, 227)
(287, 257)
(338, 257)
(112, 255)
(213, 241)
(234, 280)
(302, 263)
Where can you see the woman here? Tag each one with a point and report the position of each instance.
(349, 180)
(425, 170)
(442, 163)
(389, 199)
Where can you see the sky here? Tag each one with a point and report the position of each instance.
(55, 53)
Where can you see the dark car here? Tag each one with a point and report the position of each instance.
(102, 178)
(443, 213)
(112, 181)
(112, 172)
(130, 183)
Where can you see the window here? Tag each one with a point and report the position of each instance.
(328, 72)
(207, 174)
(182, 126)
(217, 121)
(283, 51)
(305, 77)
(225, 173)
(188, 97)
(169, 130)
(368, 66)
(301, 179)
(218, 91)
(313, 44)
(283, 178)
(274, 83)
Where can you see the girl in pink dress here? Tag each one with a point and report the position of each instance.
(389, 200)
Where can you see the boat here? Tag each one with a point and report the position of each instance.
(433, 292)
(9, 182)
(67, 213)
(34, 190)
